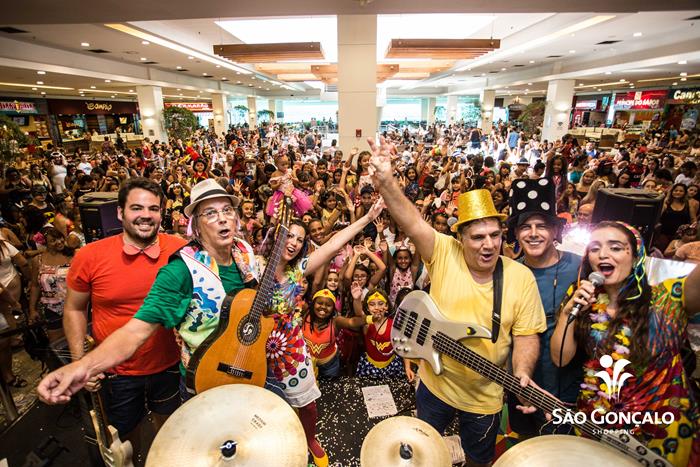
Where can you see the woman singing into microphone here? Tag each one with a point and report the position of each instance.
(628, 325)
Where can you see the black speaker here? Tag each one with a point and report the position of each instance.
(98, 212)
(639, 208)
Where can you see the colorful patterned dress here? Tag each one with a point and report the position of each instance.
(287, 355)
(52, 281)
(660, 387)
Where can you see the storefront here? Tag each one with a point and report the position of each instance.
(589, 111)
(683, 107)
(640, 110)
(75, 118)
(30, 115)
(202, 110)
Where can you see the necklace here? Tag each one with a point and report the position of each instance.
(378, 328)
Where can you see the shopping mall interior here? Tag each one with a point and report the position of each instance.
(524, 82)
(73, 71)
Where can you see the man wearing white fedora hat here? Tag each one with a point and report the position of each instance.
(188, 294)
(463, 273)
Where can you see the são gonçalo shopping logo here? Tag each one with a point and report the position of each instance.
(613, 386)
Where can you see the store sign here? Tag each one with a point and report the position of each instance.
(18, 107)
(586, 105)
(685, 96)
(193, 106)
(640, 100)
(98, 106)
(77, 107)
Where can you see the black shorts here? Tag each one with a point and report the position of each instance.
(127, 399)
(54, 321)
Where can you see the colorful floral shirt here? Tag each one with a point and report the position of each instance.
(661, 386)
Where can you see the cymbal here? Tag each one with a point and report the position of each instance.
(250, 425)
(404, 441)
(562, 451)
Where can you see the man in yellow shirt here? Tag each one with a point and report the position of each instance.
(461, 272)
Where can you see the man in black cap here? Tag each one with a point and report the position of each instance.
(534, 224)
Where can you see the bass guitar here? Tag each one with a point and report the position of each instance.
(421, 331)
(114, 452)
(235, 352)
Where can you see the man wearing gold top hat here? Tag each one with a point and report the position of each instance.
(461, 273)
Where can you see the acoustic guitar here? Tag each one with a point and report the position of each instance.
(235, 352)
(421, 331)
(114, 452)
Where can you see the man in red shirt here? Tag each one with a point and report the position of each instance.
(114, 275)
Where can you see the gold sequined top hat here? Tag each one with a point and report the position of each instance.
(476, 204)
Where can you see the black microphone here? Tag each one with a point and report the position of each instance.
(597, 279)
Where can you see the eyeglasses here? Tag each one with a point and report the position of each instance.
(212, 215)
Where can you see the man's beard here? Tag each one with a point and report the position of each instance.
(146, 238)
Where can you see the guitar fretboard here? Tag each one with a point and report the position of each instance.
(472, 360)
(264, 295)
(428, 337)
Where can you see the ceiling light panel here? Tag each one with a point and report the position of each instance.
(427, 26)
(176, 47)
(540, 41)
(321, 29)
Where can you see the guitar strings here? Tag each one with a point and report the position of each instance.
(476, 362)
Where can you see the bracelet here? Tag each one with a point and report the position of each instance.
(369, 319)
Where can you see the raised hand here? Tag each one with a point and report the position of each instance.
(379, 224)
(402, 182)
(237, 185)
(359, 250)
(356, 290)
(380, 162)
(450, 209)
(376, 209)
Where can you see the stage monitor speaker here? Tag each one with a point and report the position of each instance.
(640, 208)
(98, 212)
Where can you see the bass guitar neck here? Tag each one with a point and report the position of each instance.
(421, 331)
(113, 451)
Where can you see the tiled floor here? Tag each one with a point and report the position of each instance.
(24, 397)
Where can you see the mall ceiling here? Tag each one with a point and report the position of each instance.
(78, 11)
(109, 51)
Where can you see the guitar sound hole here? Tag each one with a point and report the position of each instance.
(248, 330)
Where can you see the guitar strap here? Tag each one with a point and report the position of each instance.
(497, 296)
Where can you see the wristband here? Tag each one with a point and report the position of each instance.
(369, 319)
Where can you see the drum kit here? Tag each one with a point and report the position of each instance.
(244, 425)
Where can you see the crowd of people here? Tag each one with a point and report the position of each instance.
(447, 210)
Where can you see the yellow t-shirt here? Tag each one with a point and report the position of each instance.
(461, 299)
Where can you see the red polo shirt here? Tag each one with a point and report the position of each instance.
(118, 284)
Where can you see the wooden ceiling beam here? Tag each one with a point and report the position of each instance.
(266, 53)
(440, 48)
